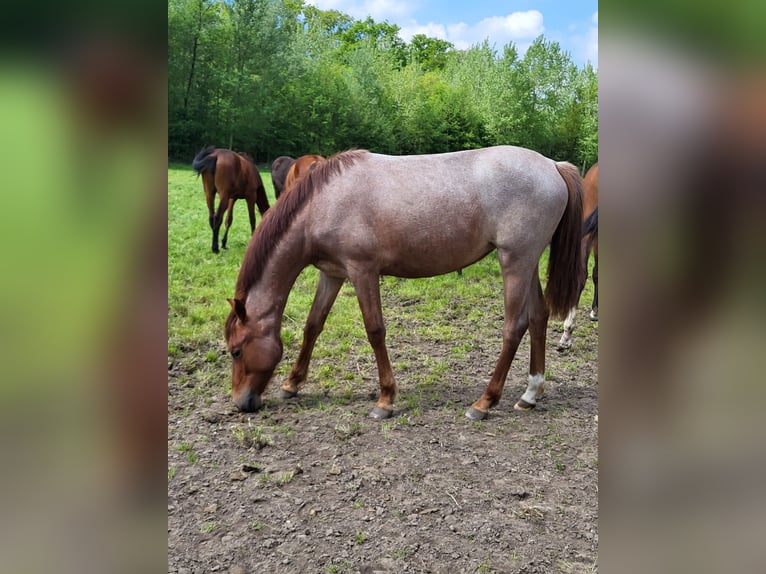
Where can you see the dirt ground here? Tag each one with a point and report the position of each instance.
(313, 485)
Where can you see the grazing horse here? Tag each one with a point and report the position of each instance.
(360, 215)
(279, 168)
(233, 176)
(589, 242)
(302, 166)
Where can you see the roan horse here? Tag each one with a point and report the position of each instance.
(279, 169)
(589, 242)
(301, 167)
(360, 215)
(233, 176)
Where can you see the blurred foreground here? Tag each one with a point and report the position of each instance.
(83, 296)
(682, 338)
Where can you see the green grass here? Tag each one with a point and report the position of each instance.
(454, 312)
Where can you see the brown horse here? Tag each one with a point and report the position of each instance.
(360, 215)
(233, 176)
(279, 168)
(301, 167)
(589, 242)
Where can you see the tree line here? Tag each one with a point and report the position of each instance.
(278, 77)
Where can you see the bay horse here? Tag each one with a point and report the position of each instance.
(300, 167)
(360, 215)
(232, 176)
(589, 243)
(279, 168)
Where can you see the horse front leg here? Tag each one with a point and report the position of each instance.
(327, 290)
(367, 286)
(229, 219)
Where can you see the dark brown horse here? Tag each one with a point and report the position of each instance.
(279, 168)
(232, 176)
(360, 215)
(301, 167)
(589, 243)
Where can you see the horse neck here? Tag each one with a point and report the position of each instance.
(267, 297)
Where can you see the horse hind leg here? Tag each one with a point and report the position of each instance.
(516, 288)
(217, 220)
(538, 327)
(566, 337)
(229, 219)
(251, 215)
(594, 307)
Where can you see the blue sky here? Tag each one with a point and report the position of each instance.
(571, 23)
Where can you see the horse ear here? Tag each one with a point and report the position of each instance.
(238, 306)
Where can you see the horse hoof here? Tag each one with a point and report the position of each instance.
(523, 405)
(475, 414)
(563, 346)
(594, 316)
(379, 413)
(283, 394)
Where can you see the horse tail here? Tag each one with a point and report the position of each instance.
(565, 264)
(204, 161)
(590, 225)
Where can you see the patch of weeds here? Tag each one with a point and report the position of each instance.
(357, 504)
(404, 421)
(386, 428)
(208, 527)
(173, 350)
(360, 537)
(515, 554)
(264, 478)
(402, 553)
(171, 473)
(345, 430)
(211, 357)
(252, 437)
(342, 567)
(285, 430)
(284, 478)
(257, 525)
(484, 567)
(534, 513)
(188, 449)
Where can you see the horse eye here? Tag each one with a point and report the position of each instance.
(236, 353)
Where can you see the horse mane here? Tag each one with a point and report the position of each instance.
(279, 218)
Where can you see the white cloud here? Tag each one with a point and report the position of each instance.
(591, 41)
(518, 27)
(380, 10)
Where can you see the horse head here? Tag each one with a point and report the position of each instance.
(255, 349)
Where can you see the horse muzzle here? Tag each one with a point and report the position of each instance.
(248, 402)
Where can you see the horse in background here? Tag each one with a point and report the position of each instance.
(279, 169)
(232, 176)
(589, 243)
(301, 166)
(372, 215)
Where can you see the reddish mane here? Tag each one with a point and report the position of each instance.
(279, 218)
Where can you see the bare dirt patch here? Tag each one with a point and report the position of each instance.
(313, 485)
